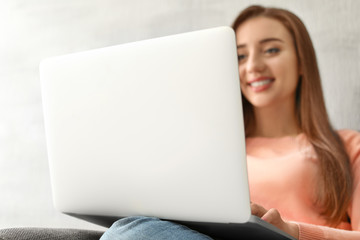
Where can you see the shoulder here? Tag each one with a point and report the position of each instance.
(351, 140)
(349, 134)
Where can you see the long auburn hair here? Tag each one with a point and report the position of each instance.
(334, 187)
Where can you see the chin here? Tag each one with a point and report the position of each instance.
(260, 102)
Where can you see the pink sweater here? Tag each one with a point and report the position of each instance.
(282, 175)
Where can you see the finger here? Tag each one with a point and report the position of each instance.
(257, 210)
(273, 216)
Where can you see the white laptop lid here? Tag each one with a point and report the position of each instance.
(151, 128)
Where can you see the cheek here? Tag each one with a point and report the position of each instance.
(292, 74)
(242, 78)
(242, 74)
(277, 66)
(289, 72)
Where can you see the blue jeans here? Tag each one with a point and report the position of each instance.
(148, 228)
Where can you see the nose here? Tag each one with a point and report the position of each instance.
(255, 63)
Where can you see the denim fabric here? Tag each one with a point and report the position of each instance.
(141, 228)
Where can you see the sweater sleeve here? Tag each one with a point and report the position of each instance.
(351, 141)
(314, 232)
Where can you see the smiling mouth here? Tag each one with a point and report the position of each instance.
(260, 83)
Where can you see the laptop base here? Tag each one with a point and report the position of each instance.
(255, 228)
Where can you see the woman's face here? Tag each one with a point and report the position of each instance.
(268, 63)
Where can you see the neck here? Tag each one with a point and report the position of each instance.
(276, 121)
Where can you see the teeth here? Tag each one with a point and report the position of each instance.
(260, 83)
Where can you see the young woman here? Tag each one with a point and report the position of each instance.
(304, 177)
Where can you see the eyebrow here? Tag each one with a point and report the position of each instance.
(262, 42)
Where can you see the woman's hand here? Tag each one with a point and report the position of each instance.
(273, 217)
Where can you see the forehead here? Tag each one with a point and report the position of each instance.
(256, 29)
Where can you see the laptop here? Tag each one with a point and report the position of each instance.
(152, 128)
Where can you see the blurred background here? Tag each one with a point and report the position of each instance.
(35, 29)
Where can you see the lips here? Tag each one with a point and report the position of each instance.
(261, 84)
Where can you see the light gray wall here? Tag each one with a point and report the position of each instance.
(34, 29)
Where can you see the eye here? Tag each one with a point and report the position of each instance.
(241, 57)
(272, 50)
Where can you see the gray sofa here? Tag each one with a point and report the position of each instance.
(48, 234)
